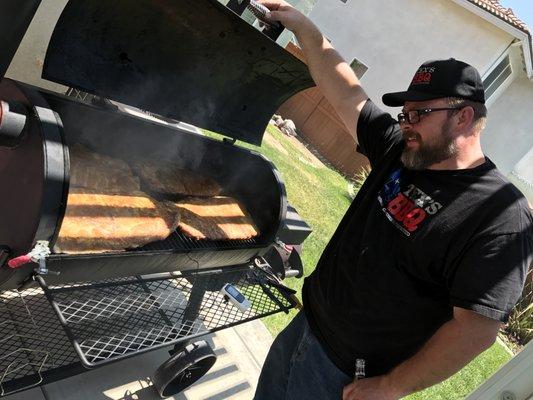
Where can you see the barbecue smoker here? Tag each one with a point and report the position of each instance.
(192, 61)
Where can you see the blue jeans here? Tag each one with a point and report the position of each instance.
(297, 368)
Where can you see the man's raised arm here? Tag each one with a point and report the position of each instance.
(336, 80)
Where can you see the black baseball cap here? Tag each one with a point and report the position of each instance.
(441, 78)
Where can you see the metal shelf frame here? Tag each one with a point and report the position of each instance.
(102, 322)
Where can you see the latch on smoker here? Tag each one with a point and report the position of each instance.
(37, 255)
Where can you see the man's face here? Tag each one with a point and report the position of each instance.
(429, 141)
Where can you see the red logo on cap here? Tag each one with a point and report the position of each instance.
(423, 76)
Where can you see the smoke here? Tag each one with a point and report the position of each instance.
(135, 138)
(138, 137)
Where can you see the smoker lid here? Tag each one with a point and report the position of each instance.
(15, 17)
(191, 60)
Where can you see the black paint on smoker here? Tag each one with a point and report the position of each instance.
(193, 61)
(37, 171)
(15, 17)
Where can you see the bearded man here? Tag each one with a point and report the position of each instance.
(432, 254)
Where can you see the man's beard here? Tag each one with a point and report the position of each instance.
(428, 154)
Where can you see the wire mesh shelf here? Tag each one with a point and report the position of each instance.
(22, 354)
(116, 319)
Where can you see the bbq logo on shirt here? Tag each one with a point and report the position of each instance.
(406, 208)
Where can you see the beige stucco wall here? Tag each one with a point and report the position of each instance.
(28, 62)
(508, 136)
(393, 37)
(509, 133)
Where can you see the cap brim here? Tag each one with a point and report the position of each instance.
(398, 99)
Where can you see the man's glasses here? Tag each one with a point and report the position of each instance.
(413, 116)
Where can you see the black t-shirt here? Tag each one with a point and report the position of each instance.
(413, 245)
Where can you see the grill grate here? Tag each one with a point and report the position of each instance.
(116, 319)
(178, 240)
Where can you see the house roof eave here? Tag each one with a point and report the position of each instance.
(524, 37)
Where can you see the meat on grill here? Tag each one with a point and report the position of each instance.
(100, 172)
(216, 218)
(172, 181)
(107, 211)
(97, 222)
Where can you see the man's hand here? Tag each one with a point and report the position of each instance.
(283, 12)
(450, 348)
(376, 388)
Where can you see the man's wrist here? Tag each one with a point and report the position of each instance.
(396, 385)
(307, 33)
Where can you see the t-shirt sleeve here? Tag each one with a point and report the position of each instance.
(377, 132)
(490, 277)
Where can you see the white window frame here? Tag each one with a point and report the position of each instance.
(359, 62)
(505, 84)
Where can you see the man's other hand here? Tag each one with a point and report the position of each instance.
(376, 388)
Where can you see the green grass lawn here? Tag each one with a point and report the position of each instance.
(321, 197)
(318, 193)
(470, 377)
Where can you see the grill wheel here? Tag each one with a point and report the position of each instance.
(184, 368)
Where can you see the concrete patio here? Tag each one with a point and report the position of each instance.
(240, 354)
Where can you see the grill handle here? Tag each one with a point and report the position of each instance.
(272, 29)
(17, 262)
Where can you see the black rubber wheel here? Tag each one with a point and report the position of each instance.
(184, 368)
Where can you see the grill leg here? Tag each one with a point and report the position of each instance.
(192, 309)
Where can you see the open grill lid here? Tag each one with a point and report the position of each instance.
(15, 17)
(191, 60)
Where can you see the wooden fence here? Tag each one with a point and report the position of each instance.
(319, 124)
